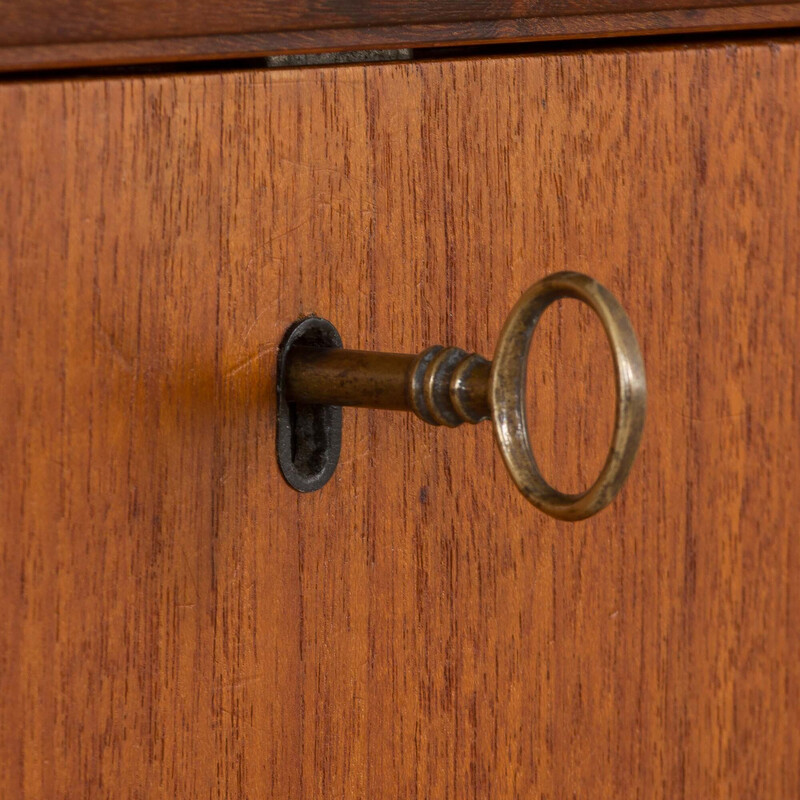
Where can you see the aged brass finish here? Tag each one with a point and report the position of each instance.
(447, 386)
(507, 395)
(442, 385)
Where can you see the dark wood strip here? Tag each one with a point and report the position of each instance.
(107, 49)
(65, 21)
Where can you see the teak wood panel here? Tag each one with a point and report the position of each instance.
(59, 34)
(177, 622)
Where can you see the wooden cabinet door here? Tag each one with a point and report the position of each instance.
(177, 622)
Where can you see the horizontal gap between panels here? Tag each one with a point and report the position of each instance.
(420, 54)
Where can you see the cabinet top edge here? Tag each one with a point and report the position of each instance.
(58, 34)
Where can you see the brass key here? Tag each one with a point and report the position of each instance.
(448, 386)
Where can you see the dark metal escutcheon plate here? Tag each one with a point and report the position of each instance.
(309, 437)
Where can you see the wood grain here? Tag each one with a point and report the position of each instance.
(63, 34)
(177, 622)
(50, 21)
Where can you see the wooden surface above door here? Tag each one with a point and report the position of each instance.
(48, 34)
